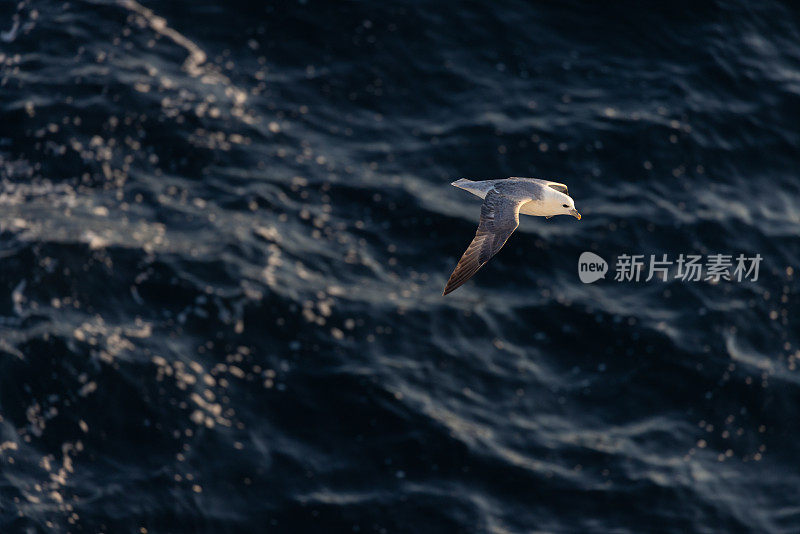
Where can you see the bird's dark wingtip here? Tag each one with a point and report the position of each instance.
(449, 288)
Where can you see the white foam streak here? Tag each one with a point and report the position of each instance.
(158, 24)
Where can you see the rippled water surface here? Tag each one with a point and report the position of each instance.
(225, 228)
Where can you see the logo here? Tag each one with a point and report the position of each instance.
(711, 268)
(591, 267)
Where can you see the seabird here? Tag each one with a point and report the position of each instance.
(503, 201)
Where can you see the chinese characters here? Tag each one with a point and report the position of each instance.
(687, 268)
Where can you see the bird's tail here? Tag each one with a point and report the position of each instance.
(479, 189)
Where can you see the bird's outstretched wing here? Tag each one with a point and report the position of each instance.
(558, 186)
(499, 219)
(561, 188)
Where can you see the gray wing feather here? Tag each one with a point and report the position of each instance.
(499, 219)
(561, 188)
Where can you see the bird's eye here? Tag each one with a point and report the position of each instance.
(566, 205)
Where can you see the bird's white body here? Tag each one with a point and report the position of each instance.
(551, 202)
(547, 208)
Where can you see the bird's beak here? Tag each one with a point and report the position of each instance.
(575, 214)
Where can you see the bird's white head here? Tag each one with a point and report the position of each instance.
(561, 204)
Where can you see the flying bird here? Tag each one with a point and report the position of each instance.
(503, 201)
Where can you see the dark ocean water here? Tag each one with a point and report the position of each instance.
(225, 228)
